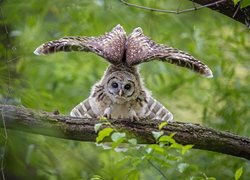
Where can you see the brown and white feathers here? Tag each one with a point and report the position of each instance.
(131, 50)
(120, 93)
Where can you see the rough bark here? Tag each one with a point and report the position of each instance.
(225, 7)
(228, 8)
(18, 118)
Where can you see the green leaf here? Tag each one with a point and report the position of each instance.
(31, 148)
(174, 158)
(133, 141)
(176, 146)
(182, 167)
(163, 124)
(102, 118)
(96, 177)
(149, 150)
(134, 174)
(118, 142)
(172, 135)
(210, 178)
(104, 133)
(167, 139)
(156, 148)
(238, 173)
(236, 1)
(117, 136)
(97, 127)
(245, 3)
(157, 134)
(159, 160)
(186, 148)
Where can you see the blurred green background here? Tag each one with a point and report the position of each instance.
(62, 80)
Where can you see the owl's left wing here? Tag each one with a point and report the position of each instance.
(140, 48)
(109, 46)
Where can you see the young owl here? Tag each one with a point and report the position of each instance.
(120, 93)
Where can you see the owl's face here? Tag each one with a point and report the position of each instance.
(122, 86)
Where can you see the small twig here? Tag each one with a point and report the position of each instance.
(172, 11)
(179, 6)
(152, 164)
(195, 7)
(2, 113)
(238, 7)
(2, 161)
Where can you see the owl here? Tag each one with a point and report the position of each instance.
(121, 93)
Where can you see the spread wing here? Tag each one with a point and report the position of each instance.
(140, 48)
(109, 46)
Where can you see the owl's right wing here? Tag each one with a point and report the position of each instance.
(109, 46)
(141, 48)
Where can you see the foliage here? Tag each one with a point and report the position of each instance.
(62, 80)
(238, 173)
(244, 3)
(161, 156)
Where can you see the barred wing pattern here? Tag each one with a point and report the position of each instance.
(155, 110)
(109, 46)
(84, 109)
(141, 48)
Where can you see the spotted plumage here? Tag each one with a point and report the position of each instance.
(121, 93)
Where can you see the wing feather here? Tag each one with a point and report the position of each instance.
(140, 48)
(109, 46)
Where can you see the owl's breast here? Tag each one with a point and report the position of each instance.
(120, 111)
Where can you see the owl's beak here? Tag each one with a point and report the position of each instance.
(120, 93)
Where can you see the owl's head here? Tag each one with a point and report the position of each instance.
(121, 86)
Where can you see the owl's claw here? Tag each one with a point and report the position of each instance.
(107, 113)
(133, 115)
(108, 116)
(135, 118)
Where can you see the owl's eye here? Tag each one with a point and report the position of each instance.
(114, 85)
(127, 87)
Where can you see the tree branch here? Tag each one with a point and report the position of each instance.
(28, 120)
(225, 7)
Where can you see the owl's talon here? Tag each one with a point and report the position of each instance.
(108, 116)
(107, 113)
(135, 118)
(133, 115)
